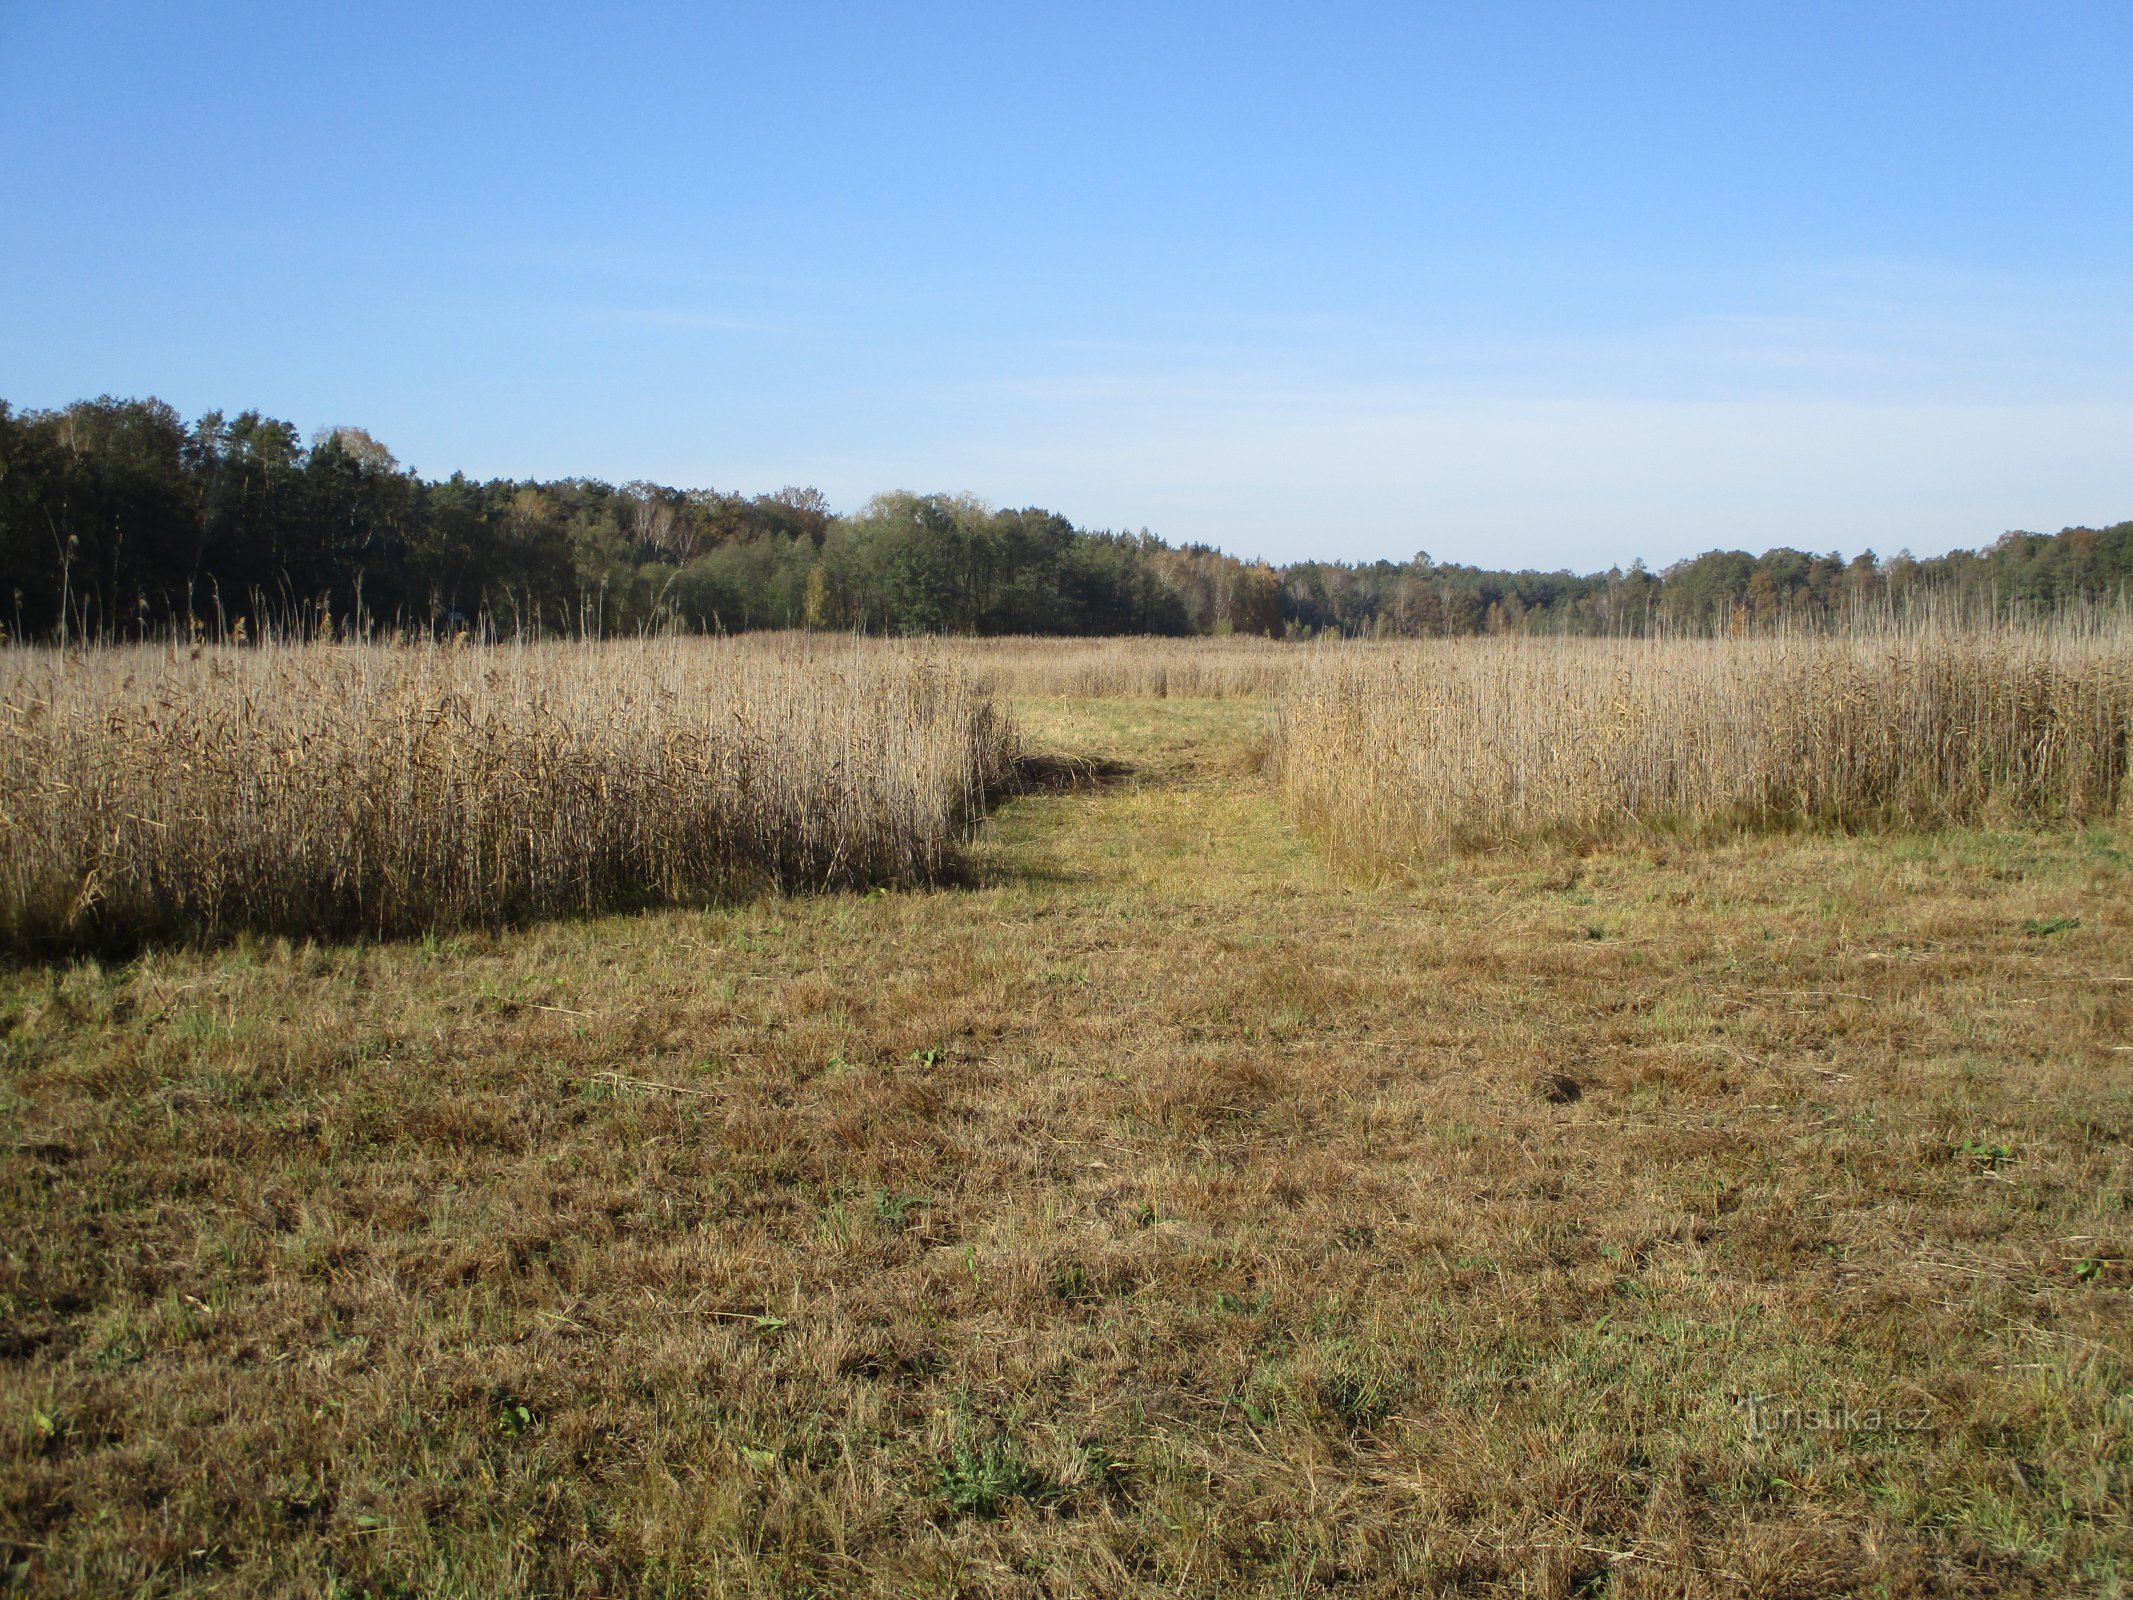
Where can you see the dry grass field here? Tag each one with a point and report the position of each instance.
(1157, 1211)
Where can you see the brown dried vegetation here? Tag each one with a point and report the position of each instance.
(323, 790)
(1391, 755)
(1223, 668)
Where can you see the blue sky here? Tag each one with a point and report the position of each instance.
(1526, 284)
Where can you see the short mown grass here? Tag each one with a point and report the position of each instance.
(1160, 1214)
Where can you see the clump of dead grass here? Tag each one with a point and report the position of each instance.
(328, 789)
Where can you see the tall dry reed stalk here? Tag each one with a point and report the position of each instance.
(1392, 755)
(324, 789)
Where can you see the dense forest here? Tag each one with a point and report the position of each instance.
(118, 518)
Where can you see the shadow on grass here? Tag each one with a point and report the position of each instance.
(1047, 773)
(1052, 773)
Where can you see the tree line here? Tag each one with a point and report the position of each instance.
(120, 519)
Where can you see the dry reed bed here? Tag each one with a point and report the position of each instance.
(1227, 668)
(348, 789)
(1110, 669)
(1392, 755)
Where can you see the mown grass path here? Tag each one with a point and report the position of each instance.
(1187, 818)
(1158, 1215)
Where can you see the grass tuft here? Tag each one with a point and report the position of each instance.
(981, 1479)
